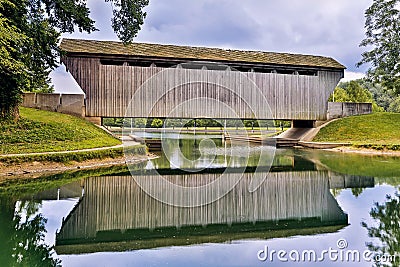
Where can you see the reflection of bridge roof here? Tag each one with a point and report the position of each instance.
(174, 52)
(118, 241)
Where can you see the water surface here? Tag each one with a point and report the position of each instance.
(309, 201)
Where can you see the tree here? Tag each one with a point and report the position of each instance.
(395, 105)
(382, 27)
(381, 95)
(13, 74)
(357, 191)
(31, 29)
(339, 95)
(353, 91)
(387, 217)
(22, 234)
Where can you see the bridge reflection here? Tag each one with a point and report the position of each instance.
(115, 214)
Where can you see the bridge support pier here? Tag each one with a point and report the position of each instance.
(303, 124)
(95, 120)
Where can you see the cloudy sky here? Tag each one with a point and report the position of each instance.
(327, 28)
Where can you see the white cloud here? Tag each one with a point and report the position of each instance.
(350, 75)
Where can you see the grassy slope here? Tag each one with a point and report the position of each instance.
(378, 130)
(43, 131)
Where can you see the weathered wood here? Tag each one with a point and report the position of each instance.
(119, 203)
(109, 90)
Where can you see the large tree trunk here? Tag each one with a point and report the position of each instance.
(10, 113)
(15, 113)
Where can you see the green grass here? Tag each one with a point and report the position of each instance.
(78, 156)
(44, 131)
(360, 165)
(377, 131)
(18, 188)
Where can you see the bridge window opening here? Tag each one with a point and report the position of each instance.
(144, 64)
(112, 62)
(208, 66)
(186, 123)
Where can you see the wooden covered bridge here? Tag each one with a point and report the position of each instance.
(152, 80)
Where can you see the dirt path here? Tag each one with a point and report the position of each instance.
(38, 168)
(35, 169)
(62, 152)
(364, 151)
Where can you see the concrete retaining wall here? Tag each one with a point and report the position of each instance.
(73, 104)
(345, 109)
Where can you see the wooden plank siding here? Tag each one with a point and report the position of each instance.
(119, 203)
(109, 90)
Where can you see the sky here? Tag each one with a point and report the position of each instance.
(326, 28)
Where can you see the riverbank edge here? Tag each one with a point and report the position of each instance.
(364, 151)
(56, 162)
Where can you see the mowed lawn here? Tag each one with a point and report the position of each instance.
(42, 131)
(380, 129)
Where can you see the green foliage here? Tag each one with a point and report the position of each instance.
(29, 34)
(382, 95)
(25, 187)
(13, 74)
(357, 191)
(395, 105)
(76, 156)
(155, 123)
(355, 92)
(128, 17)
(339, 95)
(28, 243)
(43, 131)
(204, 122)
(382, 27)
(387, 217)
(140, 122)
(378, 130)
(351, 92)
(23, 232)
(385, 169)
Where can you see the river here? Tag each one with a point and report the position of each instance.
(205, 202)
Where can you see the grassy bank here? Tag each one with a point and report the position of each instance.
(377, 131)
(21, 187)
(44, 131)
(78, 156)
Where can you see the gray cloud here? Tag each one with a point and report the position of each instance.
(328, 28)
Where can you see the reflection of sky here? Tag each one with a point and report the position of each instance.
(235, 253)
(54, 211)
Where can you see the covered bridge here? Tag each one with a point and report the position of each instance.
(203, 82)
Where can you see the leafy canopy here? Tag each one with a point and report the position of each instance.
(356, 92)
(29, 34)
(383, 37)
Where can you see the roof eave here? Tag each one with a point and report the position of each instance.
(181, 60)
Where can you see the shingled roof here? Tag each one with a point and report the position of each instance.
(76, 46)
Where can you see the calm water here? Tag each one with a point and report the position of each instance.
(316, 208)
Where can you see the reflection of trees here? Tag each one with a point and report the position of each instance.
(22, 236)
(336, 192)
(357, 191)
(387, 231)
